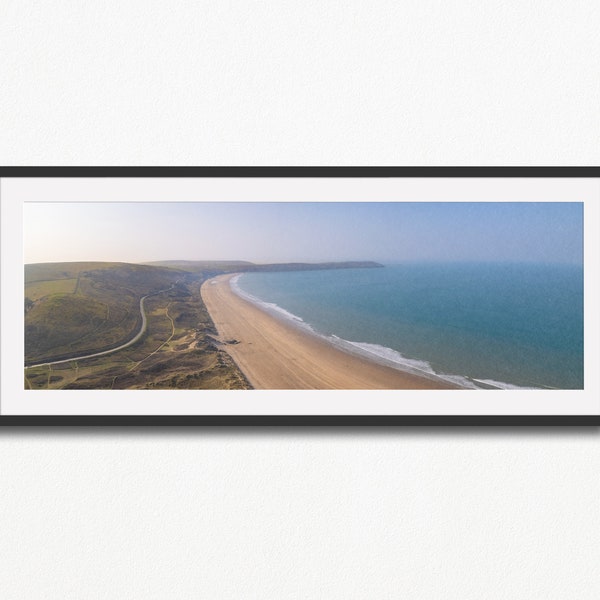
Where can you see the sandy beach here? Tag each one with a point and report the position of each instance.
(273, 354)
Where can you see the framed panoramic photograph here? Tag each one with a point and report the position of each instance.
(300, 296)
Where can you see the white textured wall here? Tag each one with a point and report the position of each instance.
(291, 513)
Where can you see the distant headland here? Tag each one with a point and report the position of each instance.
(225, 266)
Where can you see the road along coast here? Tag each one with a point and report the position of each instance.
(132, 341)
(274, 354)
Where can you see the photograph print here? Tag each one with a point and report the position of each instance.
(399, 305)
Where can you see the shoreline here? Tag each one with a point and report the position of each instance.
(274, 354)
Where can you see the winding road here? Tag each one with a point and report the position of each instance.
(132, 341)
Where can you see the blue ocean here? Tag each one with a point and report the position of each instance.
(481, 325)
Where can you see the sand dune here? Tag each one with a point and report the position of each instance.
(273, 354)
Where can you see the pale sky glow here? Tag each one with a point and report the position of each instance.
(293, 231)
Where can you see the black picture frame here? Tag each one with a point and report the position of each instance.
(547, 172)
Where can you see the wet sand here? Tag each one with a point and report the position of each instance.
(275, 355)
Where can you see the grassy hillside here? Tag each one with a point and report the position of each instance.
(74, 308)
(58, 323)
(56, 271)
(39, 289)
(89, 307)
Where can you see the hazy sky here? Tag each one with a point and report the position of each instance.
(276, 232)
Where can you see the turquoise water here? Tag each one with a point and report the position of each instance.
(484, 325)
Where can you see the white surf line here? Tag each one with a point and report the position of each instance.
(121, 347)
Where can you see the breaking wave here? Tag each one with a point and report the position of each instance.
(374, 352)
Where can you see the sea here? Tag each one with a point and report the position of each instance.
(481, 325)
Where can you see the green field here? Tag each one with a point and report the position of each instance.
(38, 289)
